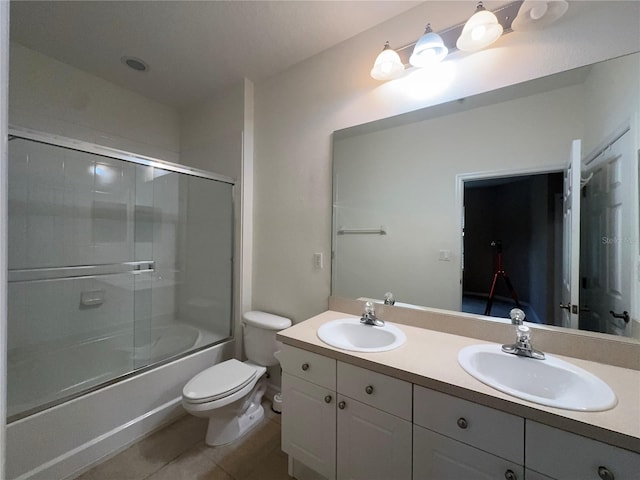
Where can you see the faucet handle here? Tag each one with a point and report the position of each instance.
(388, 298)
(517, 316)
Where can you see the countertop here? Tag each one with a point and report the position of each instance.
(429, 358)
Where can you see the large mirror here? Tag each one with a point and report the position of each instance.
(466, 206)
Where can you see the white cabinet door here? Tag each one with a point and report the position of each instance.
(309, 424)
(372, 444)
(438, 457)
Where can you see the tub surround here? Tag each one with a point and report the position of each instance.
(429, 359)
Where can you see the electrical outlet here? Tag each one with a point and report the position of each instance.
(445, 255)
(318, 261)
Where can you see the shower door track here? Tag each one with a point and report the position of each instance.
(59, 141)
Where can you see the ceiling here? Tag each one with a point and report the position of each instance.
(194, 48)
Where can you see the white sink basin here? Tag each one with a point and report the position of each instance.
(552, 382)
(350, 334)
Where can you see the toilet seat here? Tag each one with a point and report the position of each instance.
(219, 381)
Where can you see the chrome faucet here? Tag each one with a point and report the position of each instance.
(523, 346)
(369, 316)
(388, 299)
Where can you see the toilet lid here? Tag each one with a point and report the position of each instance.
(218, 381)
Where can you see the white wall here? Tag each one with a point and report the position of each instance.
(211, 132)
(297, 111)
(53, 97)
(612, 98)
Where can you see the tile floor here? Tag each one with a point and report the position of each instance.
(178, 452)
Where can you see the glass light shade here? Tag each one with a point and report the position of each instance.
(387, 65)
(480, 31)
(535, 14)
(429, 50)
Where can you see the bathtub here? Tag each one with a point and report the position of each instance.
(68, 438)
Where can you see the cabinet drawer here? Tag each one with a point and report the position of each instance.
(310, 366)
(488, 429)
(438, 457)
(380, 391)
(565, 455)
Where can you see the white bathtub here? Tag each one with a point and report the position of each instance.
(66, 439)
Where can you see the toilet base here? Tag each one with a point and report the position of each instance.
(225, 430)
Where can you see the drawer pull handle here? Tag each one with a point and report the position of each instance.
(463, 424)
(509, 475)
(341, 405)
(327, 399)
(305, 366)
(605, 474)
(369, 389)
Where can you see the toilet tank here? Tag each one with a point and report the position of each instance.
(259, 333)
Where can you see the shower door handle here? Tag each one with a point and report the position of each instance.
(624, 315)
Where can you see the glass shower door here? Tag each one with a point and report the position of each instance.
(115, 265)
(71, 272)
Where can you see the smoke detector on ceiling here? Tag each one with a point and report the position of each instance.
(135, 63)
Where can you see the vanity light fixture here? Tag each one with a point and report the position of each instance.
(480, 31)
(535, 14)
(387, 65)
(429, 50)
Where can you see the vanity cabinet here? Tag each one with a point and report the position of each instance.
(454, 438)
(562, 455)
(354, 426)
(347, 422)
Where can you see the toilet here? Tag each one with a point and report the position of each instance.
(230, 393)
